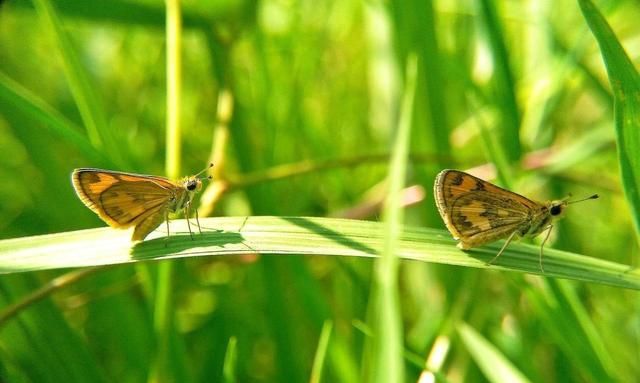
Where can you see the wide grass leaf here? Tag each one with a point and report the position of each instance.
(295, 236)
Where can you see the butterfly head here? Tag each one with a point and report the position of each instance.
(194, 183)
(557, 208)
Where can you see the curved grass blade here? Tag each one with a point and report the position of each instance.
(16, 96)
(295, 236)
(625, 83)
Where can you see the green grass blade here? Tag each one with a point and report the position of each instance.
(415, 26)
(566, 321)
(295, 236)
(625, 83)
(504, 85)
(174, 89)
(81, 87)
(321, 352)
(15, 96)
(495, 366)
(388, 364)
(169, 364)
(231, 361)
(42, 341)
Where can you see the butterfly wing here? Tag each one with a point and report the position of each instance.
(478, 212)
(148, 224)
(123, 199)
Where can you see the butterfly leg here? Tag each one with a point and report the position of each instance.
(166, 220)
(503, 247)
(198, 222)
(542, 245)
(186, 213)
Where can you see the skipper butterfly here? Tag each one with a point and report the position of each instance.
(124, 200)
(477, 212)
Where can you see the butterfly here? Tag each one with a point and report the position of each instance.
(477, 212)
(124, 200)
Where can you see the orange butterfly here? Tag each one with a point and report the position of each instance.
(477, 212)
(125, 199)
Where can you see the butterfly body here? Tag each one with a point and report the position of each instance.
(479, 217)
(125, 200)
(477, 212)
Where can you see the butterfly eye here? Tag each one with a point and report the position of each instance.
(555, 209)
(191, 185)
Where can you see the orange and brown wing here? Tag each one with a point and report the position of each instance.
(476, 211)
(122, 199)
(148, 223)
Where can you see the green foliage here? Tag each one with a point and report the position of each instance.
(625, 83)
(300, 107)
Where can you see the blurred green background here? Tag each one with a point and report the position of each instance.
(518, 84)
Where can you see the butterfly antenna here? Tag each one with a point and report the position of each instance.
(204, 170)
(595, 196)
